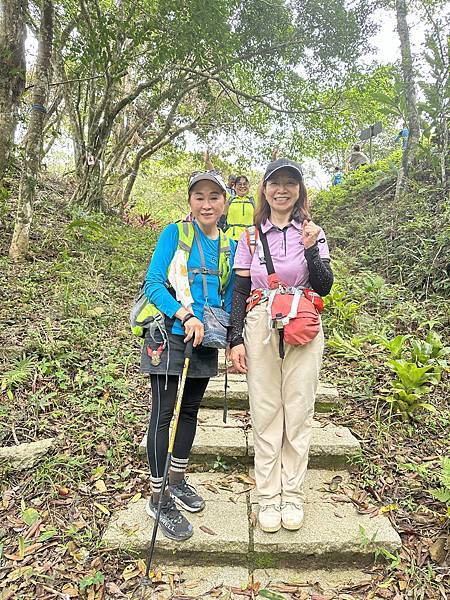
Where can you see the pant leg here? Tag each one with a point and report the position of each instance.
(163, 403)
(187, 425)
(264, 390)
(300, 376)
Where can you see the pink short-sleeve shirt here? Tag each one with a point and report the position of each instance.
(287, 252)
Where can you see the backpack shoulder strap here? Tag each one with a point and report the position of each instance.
(185, 235)
(265, 245)
(252, 235)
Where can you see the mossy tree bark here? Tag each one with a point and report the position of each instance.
(12, 73)
(34, 137)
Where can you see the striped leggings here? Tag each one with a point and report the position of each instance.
(163, 404)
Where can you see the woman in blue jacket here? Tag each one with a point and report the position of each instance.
(208, 256)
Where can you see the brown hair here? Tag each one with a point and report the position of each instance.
(299, 213)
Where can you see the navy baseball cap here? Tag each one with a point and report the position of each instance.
(282, 163)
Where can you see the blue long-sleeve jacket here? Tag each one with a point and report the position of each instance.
(155, 280)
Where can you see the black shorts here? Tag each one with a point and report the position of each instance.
(204, 361)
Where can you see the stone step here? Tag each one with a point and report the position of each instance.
(237, 397)
(205, 581)
(332, 447)
(333, 534)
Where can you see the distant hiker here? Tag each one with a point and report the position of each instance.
(191, 267)
(403, 135)
(231, 187)
(357, 158)
(338, 176)
(283, 252)
(240, 209)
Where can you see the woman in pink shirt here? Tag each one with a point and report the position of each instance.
(282, 380)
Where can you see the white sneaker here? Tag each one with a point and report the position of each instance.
(291, 515)
(269, 518)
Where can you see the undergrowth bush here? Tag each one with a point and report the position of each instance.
(406, 243)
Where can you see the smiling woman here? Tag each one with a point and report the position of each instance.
(207, 201)
(279, 260)
(240, 209)
(190, 272)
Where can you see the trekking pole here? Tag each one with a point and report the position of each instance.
(187, 359)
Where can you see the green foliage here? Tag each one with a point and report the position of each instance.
(411, 385)
(395, 346)
(348, 348)
(91, 581)
(435, 106)
(443, 492)
(340, 312)
(20, 373)
(405, 244)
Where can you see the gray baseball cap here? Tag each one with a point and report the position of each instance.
(282, 163)
(214, 176)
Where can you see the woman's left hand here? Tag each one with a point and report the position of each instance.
(310, 233)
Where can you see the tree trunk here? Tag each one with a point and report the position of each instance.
(90, 191)
(12, 73)
(409, 85)
(34, 138)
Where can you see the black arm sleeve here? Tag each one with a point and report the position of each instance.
(241, 292)
(320, 273)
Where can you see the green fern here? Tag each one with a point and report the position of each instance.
(18, 375)
(442, 494)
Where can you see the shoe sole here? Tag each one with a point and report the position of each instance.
(184, 506)
(270, 529)
(165, 533)
(292, 528)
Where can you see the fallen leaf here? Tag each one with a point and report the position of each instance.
(335, 483)
(130, 572)
(114, 590)
(70, 591)
(141, 565)
(271, 595)
(102, 449)
(388, 508)
(102, 508)
(101, 486)
(98, 472)
(97, 311)
(207, 530)
(340, 498)
(136, 497)
(246, 479)
(437, 550)
(192, 584)
(30, 516)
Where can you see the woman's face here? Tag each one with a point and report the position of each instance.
(207, 202)
(242, 187)
(282, 191)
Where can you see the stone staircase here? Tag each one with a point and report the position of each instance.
(338, 537)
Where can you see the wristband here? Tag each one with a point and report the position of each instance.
(186, 318)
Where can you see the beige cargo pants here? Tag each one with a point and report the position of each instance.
(282, 394)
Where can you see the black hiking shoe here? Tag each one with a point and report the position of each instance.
(186, 496)
(172, 523)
